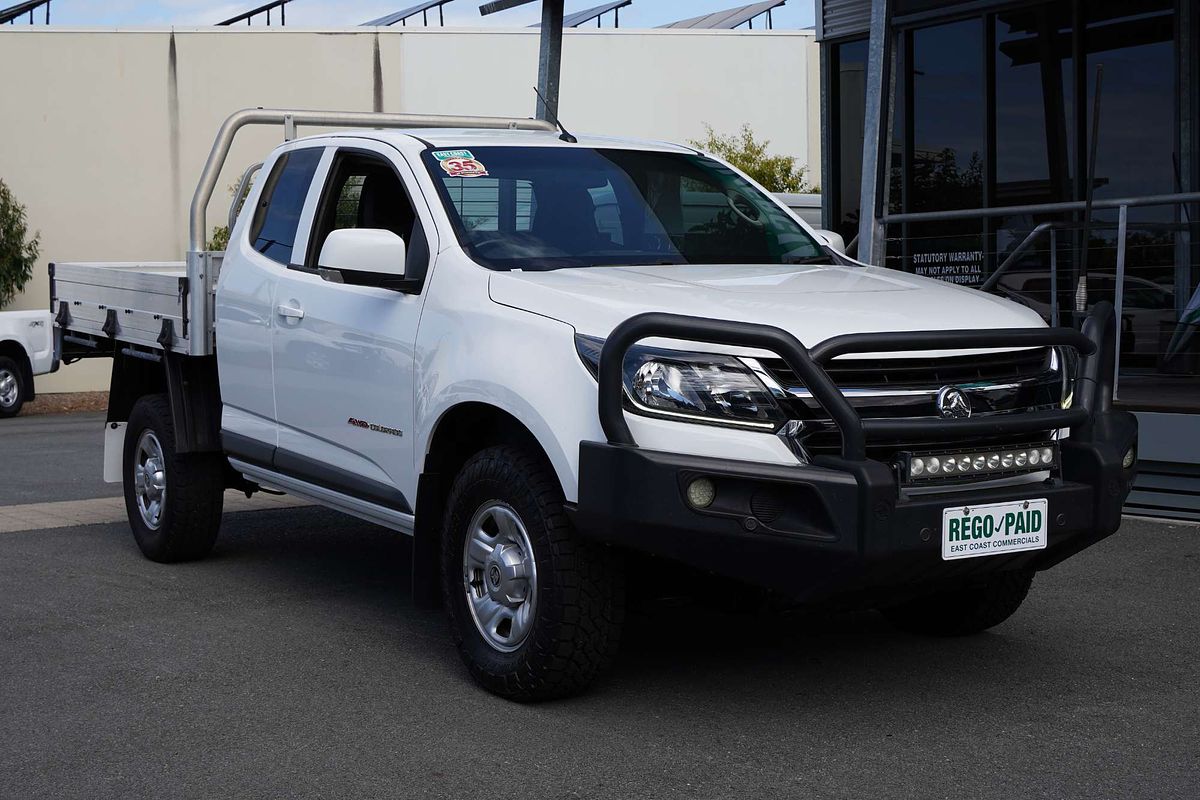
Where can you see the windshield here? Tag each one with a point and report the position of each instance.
(542, 208)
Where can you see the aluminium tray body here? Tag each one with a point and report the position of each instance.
(144, 303)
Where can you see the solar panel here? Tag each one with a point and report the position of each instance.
(401, 16)
(580, 17)
(730, 18)
(501, 5)
(11, 13)
(265, 8)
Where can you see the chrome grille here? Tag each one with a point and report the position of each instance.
(918, 373)
(994, 383)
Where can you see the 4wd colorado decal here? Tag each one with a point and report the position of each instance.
(460, 164)
(371, 426)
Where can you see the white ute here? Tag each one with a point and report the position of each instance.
(26, 350)
(546, 357)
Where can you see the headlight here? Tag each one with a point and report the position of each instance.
(702, 387)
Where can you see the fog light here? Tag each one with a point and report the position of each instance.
(964, 464)
(1127, 461)
(933, 465)
(950, 466)
(701, 493)
(916, 467)
(993, 461)
(979, 463)
(1047, 456)
(1034, 456)
(1022, 458)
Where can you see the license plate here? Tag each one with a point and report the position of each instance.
(992, 530)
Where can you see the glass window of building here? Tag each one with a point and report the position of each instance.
(994, 109)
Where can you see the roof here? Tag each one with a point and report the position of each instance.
(729, 18)
(481, 137)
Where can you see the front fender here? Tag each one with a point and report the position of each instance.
(520, 363)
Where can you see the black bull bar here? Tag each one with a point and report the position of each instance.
(1093, 392)
(848, 527)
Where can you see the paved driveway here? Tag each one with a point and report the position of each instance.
(291, 664)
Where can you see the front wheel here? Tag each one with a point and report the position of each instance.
(173, 500)
(965, 610)
(12, 388)
(535, 611)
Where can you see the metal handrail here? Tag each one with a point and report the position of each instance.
(1121, 204)
(1012, 257)
(1179, 198)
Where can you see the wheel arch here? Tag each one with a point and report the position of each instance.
(16, 351)
(460, 432)
(190, 383)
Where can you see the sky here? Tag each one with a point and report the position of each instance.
(323, 13)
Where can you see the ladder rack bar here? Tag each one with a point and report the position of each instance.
(326, 119)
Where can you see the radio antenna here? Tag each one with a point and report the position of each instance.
(566, 135)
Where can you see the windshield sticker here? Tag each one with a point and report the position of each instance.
(443, 155)
(463, 167)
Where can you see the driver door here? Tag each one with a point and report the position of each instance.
(343, 353)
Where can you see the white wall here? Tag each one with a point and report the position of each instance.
(103, 132)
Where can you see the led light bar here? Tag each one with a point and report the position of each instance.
(920, 467)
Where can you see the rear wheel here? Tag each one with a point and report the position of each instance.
(535, 611)
(173, 500)
(965, 610)
(12, 388)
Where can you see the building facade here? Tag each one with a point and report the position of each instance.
(1054, 142)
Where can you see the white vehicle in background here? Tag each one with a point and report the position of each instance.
(544, 356)
(26, 349)
(1148, 314)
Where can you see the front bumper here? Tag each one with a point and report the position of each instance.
(845, 526)
(837, 529)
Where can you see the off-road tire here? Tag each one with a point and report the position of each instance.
(580, 587)
(18, 374)
(963, 611)
(191, 516)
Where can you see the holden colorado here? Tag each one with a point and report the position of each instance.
(548, 358)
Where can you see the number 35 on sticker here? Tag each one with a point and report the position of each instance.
(460, 164)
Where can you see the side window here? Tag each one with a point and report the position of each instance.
(278, 214)
(363, 192)
(493, 204)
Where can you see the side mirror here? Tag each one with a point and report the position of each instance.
(833, 240)
(370, 250)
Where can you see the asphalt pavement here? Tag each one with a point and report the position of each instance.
(292, 664)
(52, 457)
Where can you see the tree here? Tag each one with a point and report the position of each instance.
(18, 254)
(744, 151)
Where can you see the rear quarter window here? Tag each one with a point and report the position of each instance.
(277, 217)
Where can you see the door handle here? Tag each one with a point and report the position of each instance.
(289, 312)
